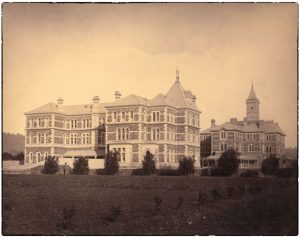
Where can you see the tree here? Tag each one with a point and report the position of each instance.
(148, 164)
(7, 156)
(270, 165)
(186, 166)
(19, 156)
(51, 165)
(228, 162)
(111, 165)
(81, 166)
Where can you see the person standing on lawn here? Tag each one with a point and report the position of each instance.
(65, 168)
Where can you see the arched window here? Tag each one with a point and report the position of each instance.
(45, 155)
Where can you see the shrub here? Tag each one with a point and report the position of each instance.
(138, 172)
(81, 166)
(228, 162)
(216, 172)
(51, 165)
(249, 173)
(270, 165)
(186, 166)
(149, 163)
(204, 172)
(287, 173)
(100, 172)
(168, 172)
(111, 164)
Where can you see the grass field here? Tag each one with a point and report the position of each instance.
(125, 205)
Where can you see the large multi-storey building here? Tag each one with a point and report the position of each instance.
(167, 125)
(254, 138)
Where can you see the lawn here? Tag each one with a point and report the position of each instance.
(137, 205)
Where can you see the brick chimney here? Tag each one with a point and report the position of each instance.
(213, 123)
(96, 99)
(117, 95)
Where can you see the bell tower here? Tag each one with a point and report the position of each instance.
(252, 106)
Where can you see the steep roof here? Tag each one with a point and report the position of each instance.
(252, 94)
(176, 97)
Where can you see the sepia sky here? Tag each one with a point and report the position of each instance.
(77, 51)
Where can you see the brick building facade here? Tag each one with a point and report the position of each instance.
(254, 138)
(167, 125)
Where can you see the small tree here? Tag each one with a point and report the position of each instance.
(51, 165)
(81, 166)
(148, 164)
(111, 165)
(7, 156)
(270, 165)
(228, 162)
(20, 156)
(186, 166)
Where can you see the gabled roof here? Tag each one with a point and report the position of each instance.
(129, 100)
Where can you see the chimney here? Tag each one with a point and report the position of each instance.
(60, 101)
(194, 99)
(213, 123)
(117, 95)
(96, 99)
(233, 121)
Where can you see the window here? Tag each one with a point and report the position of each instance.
(123, 133)
(155, 116)
(101, 138)
(115, 115)
(250, 148)
(123, 154)
(131, 115)
(155, 134)
(123, 115)
(223, 146)
(39, 138)
(38, 155)
(223, 135)
(45, 155)
(31, 157)
(119, 134)
(127, 133)
(73, 138)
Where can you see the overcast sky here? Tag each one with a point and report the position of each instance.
(77, 51)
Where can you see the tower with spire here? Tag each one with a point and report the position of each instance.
(252, 106)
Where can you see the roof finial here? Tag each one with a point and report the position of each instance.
(177, 75)
(252, 83)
